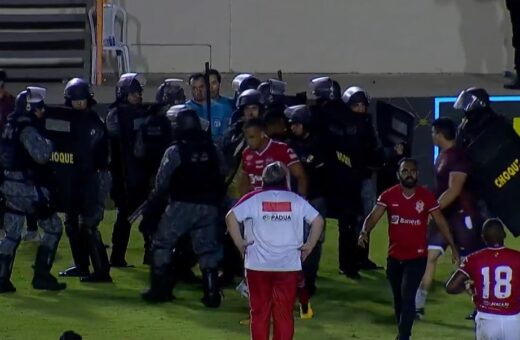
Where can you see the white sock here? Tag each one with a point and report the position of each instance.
(420, 298)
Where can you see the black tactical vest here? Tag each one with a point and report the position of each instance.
(198, 178)
(13, 155)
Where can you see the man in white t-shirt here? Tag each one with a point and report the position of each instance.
(273, 249)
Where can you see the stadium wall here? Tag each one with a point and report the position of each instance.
(328, 36)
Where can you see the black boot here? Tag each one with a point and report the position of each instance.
(212, 297)
(79, 250)
(43, 279)
(161, 286)
(98, 257)
(161, 281)
(6, 266)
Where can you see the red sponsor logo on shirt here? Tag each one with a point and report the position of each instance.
(276, 206)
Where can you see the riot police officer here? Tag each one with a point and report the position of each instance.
(192, 175)
(153, 138)
(366, 156)
(129, 187)
(307, 145)
(478, 114)
(27, 187)
(92, 183)
(333, 120)
(249, 105)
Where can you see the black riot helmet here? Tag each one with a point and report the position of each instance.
(471, 99)
(128, 83)
(355, 94)
(245, 81)
(325, 88)
(78, 89)
(272, 90)
(184, 119)
(298, 114)
(30, 99)
(249, 97)
(170, 92)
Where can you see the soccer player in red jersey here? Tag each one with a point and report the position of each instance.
(492, 277)
(262, 151)
(408, 208)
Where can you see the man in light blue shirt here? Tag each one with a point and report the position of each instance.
(214, 84)
(220, 114)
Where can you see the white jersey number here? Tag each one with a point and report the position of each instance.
(502, 278)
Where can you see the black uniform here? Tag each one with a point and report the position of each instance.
(191, 173)
(129, 176)
(312, 156)
(344, 180)
(89, 190)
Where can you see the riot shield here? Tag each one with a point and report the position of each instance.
(61, 127)
(394, 125)
(495, 156)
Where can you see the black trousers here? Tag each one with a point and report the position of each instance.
(121, 230)
(514, 11)
(405, 278)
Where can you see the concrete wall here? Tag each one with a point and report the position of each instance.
(337, 36)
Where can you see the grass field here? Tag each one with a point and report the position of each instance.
(344, 309)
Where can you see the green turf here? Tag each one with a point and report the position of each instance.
(344, 309)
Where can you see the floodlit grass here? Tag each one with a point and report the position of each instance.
(344, 309)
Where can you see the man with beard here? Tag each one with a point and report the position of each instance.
(408, 208)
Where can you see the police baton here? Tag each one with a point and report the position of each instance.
(208, 95)
(138, 212)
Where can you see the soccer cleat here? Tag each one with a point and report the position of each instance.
(306, 311)
(243, 289)
(245, 322)
(419, 314)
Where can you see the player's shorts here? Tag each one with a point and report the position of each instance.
(465, 231)
(503, 327)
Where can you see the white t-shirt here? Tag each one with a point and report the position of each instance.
(274, 221)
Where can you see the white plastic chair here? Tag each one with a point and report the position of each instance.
(111, 40)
